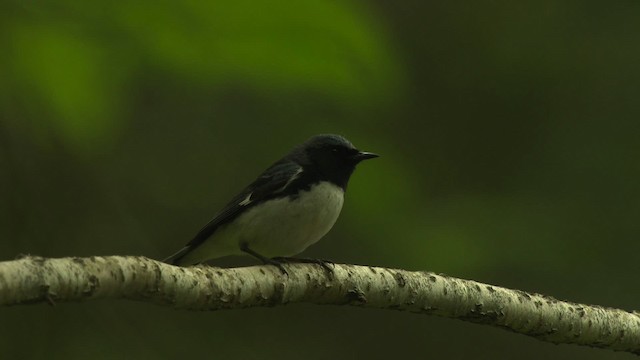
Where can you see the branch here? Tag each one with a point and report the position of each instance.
(35, 280)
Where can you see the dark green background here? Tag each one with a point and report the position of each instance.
(508, 132)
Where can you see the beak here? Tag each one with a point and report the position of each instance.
(363, 155)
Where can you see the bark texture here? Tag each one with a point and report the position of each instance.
(36, 280)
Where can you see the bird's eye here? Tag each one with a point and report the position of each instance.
(335, 150)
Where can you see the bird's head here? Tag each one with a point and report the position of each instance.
(333, 157)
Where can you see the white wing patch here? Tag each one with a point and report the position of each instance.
(246, 200)
(292, 179)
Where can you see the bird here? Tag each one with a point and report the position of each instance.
(290, 206)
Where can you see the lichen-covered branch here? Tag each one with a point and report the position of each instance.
(35, 280)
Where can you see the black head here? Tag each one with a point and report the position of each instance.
(331, 157)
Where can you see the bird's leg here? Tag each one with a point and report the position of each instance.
(245, 248)
(321, 262)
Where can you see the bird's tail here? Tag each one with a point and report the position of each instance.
(176, 259)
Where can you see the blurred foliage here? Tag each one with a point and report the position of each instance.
(508, 133)
(78, 59)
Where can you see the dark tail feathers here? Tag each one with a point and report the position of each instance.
(175, 258)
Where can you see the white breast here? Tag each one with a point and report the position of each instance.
(281, 227)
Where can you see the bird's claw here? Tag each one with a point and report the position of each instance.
(275, 262)
(321, 262)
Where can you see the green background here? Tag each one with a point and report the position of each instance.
(508, 132)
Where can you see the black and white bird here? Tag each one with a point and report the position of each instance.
(291, 205)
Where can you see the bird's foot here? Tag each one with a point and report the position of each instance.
(277, 263)
(245, 247)
(324, 263)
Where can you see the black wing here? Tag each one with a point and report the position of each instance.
(271, 183)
